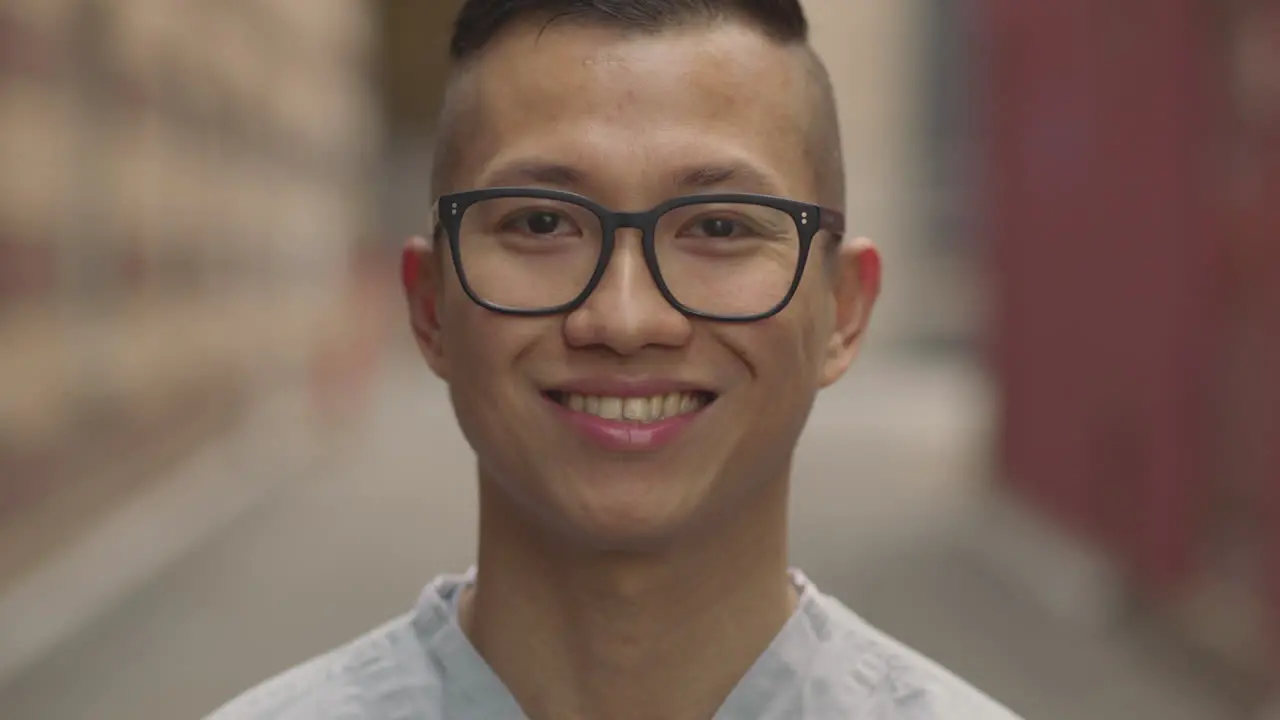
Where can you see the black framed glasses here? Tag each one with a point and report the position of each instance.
(728, 257)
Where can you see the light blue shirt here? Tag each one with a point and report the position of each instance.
(826, 663)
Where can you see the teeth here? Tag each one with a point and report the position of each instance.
(610, 408)
(634, 409)
(671, 405)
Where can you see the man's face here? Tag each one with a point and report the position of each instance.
(630, 121)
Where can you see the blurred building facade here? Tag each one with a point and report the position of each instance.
(1131, 167)
(182, 186)
(899, 71)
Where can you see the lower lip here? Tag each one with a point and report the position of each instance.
(625, 436)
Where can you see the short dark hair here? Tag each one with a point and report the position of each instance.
(479, 21)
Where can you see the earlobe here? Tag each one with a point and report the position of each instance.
(857, 286)
(418, 273)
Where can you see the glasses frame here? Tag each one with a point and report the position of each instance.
(809, 220)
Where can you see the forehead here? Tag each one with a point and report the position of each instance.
(613, 109)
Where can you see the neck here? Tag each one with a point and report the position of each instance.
(580, 633)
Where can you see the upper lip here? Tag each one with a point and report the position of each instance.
(626, 387)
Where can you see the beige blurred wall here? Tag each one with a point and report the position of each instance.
(871, 48)
(192, 177)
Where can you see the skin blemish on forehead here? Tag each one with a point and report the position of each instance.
(727, 63)
(584, 102)
(606, 60)
(539, 79)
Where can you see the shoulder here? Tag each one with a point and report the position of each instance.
(885, 677)
(369, 677)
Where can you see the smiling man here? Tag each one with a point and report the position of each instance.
(637, 284)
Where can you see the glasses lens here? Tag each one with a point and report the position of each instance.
(528, 253)
(728, 259)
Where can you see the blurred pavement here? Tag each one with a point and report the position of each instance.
(889, 486)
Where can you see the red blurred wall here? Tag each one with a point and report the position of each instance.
(1132, 188)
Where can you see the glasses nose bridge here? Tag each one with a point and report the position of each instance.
(632, 220)
(646, 223)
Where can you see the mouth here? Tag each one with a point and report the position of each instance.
(637, 410)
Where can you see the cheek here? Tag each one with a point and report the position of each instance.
(782, 353)
(814, 313)
(484, 346)
(489, 355)
(799, 334)
(491, 398)
(777, 400)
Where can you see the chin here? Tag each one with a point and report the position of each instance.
(613, 504)
(636, 525)
(632, 540)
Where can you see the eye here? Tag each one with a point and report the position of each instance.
(717, 227)
(538, 222)
(542, 223)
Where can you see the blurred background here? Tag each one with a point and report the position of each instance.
(1055, 469)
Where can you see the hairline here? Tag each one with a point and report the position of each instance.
(823, 135)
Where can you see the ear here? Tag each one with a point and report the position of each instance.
(856, 286)
(421, 276)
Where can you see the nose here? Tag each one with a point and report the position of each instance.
(626, 312)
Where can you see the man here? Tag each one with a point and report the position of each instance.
(636, 287)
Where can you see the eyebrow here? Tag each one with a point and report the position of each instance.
(537, 172)
(737, 175)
